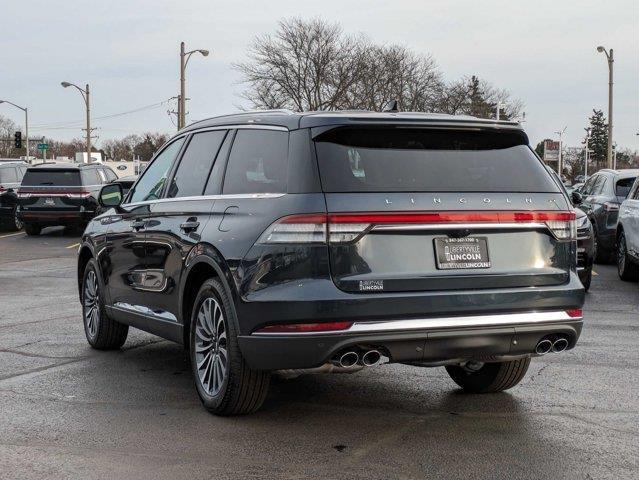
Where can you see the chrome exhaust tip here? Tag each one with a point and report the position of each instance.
(560, 345)
(543, 347)
(348, 359)
(371, 358)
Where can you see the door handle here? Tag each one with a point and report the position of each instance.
(189, 225)
(138, 224)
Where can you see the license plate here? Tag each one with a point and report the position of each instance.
(461, 253)
(49, 201)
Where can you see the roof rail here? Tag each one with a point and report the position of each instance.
(249, 112)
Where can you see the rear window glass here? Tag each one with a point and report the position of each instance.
(59, 178)
(8, 175)
(428, 160)
(622, 189)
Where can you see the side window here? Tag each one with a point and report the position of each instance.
(9, 175)
(150, 184)
(258, 162)
(597, 188)
(196, 163)
(90, 177)
(587, 190)
(102, 175)
(110, 175)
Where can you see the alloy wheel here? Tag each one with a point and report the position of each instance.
(17, 223)
(91, 304)
(621, 254)
(211, 354)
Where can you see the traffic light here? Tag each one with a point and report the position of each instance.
(17, 140)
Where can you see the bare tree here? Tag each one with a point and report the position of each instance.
(306, 65)
(7, 129)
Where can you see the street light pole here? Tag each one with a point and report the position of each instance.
(26, 123)
(611, 59)
(560, 157)
(85, 95)
(184, 60)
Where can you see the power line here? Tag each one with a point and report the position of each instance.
(74, 124)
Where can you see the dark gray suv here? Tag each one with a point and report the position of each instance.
(335, 241)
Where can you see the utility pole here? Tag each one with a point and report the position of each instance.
(560, 158)
(586, 154)
(611, 59)
(184, 60)
(85, 95)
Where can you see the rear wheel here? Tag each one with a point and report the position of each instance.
(586, 278)
(627, 269)
(225, 383)
(102, 332)
(32, 229)
(491, 377)
(16, 223)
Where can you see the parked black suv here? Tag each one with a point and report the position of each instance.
(602, 195)
(11, 174)
(334, 241)
(61, 194)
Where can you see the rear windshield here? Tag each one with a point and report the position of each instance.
(622, 189)
(58, 178)
(428, 160)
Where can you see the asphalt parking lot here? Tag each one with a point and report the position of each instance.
(71, 412)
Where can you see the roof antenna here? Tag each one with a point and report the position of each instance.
(391, 106)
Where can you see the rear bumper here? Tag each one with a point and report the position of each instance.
(55, 217)
(479, 337)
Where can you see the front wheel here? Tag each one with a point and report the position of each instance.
(491, 377)
(627, 269)
(102, 332)
(16, 223)
(586, 278)
(225, 383)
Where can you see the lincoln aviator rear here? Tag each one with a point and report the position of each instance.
(279, 242)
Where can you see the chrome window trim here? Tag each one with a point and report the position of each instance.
(228, 196)
(239, 127)
(444, 323)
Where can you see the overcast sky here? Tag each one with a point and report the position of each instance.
(128, 51)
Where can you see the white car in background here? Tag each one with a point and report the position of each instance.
(628, 236)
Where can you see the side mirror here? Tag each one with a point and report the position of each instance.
(576, 198)
(111, 195)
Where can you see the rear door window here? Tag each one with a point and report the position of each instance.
(428, 160)
(36, 177)
(196, 164)
(258, 162)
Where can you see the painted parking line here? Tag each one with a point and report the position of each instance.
(74, 245)
(12, 234)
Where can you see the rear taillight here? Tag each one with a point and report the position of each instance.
(79, 195)
(2, 189)
(306, 327)
(611, 207)
(575, 313)
(349, 227)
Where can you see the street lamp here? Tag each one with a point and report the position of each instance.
(85, 95)
(26, 123)
(184, 60)
(610, 58)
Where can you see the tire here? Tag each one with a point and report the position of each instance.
(628, 270)
(102, 332)
(32, 229)
(586, 278)
(492, 377)
(602, 256)
(15, 224)
(225, 383)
